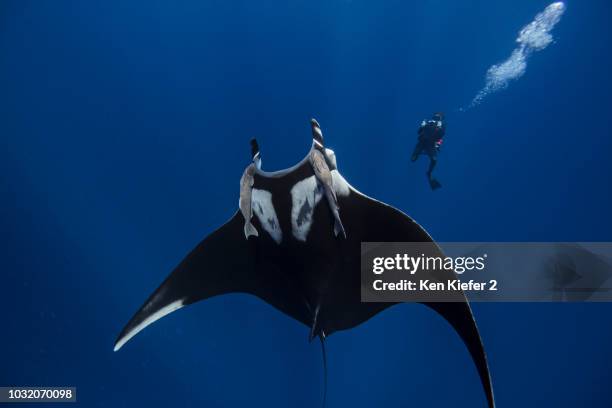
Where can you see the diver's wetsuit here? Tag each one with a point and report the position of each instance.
(430, 133)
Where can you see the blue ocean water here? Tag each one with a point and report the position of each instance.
(124, 129)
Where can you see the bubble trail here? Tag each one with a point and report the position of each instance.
(535, 36)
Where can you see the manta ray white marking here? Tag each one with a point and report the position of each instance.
(166, 310)
(264, 210)
(305, 195)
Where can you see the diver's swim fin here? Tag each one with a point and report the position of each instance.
(434, 184)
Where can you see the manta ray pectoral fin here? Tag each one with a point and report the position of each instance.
(224, 262)
(379, 222)
(459, 315)
(219, 264)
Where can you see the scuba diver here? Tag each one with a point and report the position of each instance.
(429, 141)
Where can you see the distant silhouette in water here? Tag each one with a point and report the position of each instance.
(431, 133)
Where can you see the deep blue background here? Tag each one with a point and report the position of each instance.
(124, 129)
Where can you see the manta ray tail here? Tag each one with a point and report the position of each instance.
(314, 329)
(324, 354)
(250, 230)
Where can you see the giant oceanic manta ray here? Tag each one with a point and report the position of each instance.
(297, 264)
